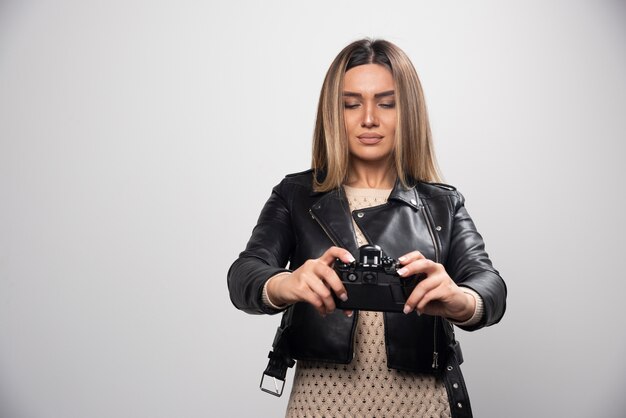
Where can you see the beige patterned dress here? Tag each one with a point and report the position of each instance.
(365, 387)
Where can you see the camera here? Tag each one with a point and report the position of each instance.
(373, 283)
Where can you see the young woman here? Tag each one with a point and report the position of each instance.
(373, 180)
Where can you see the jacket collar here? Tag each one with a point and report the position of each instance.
(332, 212)
(407, 195)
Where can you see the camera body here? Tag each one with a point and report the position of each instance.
(373, 283)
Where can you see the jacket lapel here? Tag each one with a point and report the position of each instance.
(332, 213)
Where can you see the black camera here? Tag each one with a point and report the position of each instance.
(373, 283)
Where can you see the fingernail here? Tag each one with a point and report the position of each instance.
(402, 258)
(407, 309)
(343, 297)
(350, 313)
(350, 257)
(418, 312)
(402, 271)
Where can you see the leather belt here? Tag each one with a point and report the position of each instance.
(276, 367)
(455, 384)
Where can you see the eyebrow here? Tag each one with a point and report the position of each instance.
(377, 95)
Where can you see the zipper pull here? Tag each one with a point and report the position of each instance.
(435, 364)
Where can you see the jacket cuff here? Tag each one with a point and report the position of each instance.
(478, 310)
(265, 297)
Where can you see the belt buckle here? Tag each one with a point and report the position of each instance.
(267, 387)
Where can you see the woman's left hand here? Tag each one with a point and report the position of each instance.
(437, 294)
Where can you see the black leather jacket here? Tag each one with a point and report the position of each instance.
(297, 224)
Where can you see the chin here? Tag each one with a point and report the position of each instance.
(374, 158)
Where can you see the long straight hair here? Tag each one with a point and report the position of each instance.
(413, 155)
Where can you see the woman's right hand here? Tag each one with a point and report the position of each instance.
(312, 282)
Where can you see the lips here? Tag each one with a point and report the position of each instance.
(369, 138)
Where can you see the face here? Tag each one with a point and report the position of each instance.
(369, 112)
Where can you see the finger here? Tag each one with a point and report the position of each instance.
(410, 257)
(333, 253)
(314, 300)
(418, 293)
(448, 300)
(332, 280)
(320, 288)
(439, 293)
(423, 265)
(434, 307)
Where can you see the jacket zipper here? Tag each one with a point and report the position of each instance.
(324, 228)
(435, 364)
(432, 235)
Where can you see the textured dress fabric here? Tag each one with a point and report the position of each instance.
(365, 387)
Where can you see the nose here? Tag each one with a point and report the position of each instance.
(370, 119)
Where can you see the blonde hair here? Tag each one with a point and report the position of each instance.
(414, 154)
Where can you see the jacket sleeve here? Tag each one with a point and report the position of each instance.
(469, 265)
(266, 254)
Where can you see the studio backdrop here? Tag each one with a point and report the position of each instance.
(140, 139)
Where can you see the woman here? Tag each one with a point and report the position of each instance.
(371, 182)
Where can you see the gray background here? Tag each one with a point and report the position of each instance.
(139, 140)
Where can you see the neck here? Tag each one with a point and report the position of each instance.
(371, 175)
